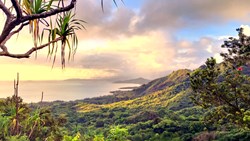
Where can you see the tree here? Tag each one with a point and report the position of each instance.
(9, 123)
(39, 125)
(225, 88)
(33, 13)
(117, 133)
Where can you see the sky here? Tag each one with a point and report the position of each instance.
(140, 38)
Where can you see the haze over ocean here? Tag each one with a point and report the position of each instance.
(31, 91)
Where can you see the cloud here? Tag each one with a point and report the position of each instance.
(104, 61)
(166, 15)
(246, 30)
(150, 55)
(144, 42)
(192, 54)
(137, 55)
(31, 71)
(124, 42)
(112, 22)
(180, 14)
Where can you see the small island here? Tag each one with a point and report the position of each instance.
(139, 80)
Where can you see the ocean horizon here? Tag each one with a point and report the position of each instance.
(63, 90)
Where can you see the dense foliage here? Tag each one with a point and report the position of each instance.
(158, 111)
(166, 114)
(226, 90)
(38, 124)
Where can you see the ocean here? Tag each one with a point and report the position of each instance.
(31, 91)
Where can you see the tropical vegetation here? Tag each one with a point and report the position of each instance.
(209, 103)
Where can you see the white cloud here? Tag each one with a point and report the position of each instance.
(246, 30)
(209, 49)
(218, 58)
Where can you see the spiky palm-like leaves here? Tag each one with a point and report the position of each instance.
(35, 12)
(36, 7)
(66, 26)
(102, 4)
(8, 113)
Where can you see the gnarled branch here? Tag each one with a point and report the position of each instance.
(12, 23)
(5, 51)
(49, 13)
(17, 8)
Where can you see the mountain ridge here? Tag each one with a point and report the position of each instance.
(153, 86)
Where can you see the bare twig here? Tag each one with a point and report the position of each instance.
(42, 98)
(16, 84)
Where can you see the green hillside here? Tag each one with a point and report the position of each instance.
(171, 92)
(178, 78)
(158, 111)
(174, 78)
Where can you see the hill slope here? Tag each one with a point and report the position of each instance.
(162, 107)
(172, 79)
(161, 92)
(160, 110)
(176, 77)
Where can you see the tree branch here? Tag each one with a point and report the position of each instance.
(15, 22)
(28, 53)
(4, 48)
(17, 8)
(7, 12)
(14, 32)
(49, 13)
(5, 9)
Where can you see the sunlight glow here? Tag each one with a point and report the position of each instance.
(37, 72)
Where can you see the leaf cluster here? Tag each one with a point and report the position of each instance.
(32, 125)
(226, 92)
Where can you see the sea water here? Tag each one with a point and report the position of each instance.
(31, 91)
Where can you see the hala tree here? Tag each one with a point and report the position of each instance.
(225, 88)
(37, 125)
(21, 13)
(19, 122)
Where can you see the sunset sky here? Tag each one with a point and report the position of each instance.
(141, 38)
